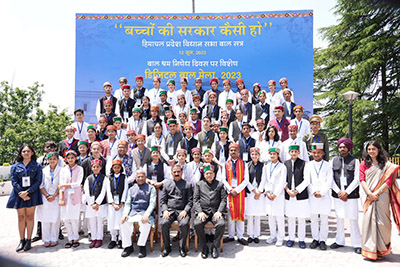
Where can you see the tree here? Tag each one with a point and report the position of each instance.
(22, 121)
(363, 55)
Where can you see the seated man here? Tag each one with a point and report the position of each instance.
(139, 206)
(209, 202)
(176, 203)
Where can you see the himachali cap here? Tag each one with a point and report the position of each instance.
(257, 84)
(239, 81)
(188, 124)
(126, 86)
(140, 136)
(90, 127)
(137, 109)
(108, 102)
(171, 122)
(260, 121)
(107, 83)
(195, 97)
(52, 154)
(283, 80)
(294, 147)
(208, 167)
(212, 93)
(274, 149)
(70, 128)
(139, 78)
(123, 142)
(156, 108)
(223, 129)
(166, 107)
(162, 92)
(131, 132)
(196, 149)
(96, 161)
(207, 151)
(71, 152)
(198, 80)
(293, 127)
(111, 128)
(96, 143)
(157, 78)
(317, 146)
(280, 107)
(229, 100)
(315, 118)
(214, 80)
(287, 89)
(181, 151)
(227, 81)
(272, 81)
(171, 81)
(298, 107)
(245, 91)
(154, 148)
(193, 110)
(83, 142)
(116, 162)
(117, 118)
(234, 145)
(255, 149)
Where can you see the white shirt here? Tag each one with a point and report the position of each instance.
(188, 96)
(303, 127)
(285, 149)
(154, 95)
(223, 96)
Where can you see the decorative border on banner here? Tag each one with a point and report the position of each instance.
(196, 17)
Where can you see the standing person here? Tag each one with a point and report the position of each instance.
(188, 142)
(294, 140)
(120, 133)
(83, 147)
(261, 109)
(163, 102)
(320, 175)
(196, 105)
(49, 146)
(296, 195)
(345, 193)
(256, 93)
(226, 94)
(246, 107)
(198, 90)
(259, 134)
(138, 92)
(214, 88)
(212, 110)
(235, 128)
(70, 143)
(271, 140)
(26, 177)
(145, 107)
(240, 87)
(135, 122)
(221, 148)
(184, 90)
(141, 154)
(80, 125)
(151, 122)
(153, 94)
(196, 122)
(126, 104)
(209, 203)
(49, 213)
(246, 143)
(110, 145)
(303, 124)
(377, 176)
(102, 129)
(207, 136)
(181, 105)
(158, 139)
(71, 177)
(109, 111)
(281, 123)
(171, 93)
(107, 87)
(288, 104)
(172, 140)
(87, 163)
(118, 94)
(255, 199)
(273, 98)
(236, 177)
(195, 166)
(315, 136)
(91, 131)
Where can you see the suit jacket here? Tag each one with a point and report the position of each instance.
(286, 111)
(145, 159)
(209, 197)
(177, 196)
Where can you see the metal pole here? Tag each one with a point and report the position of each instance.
(351, 121)
(193, 4)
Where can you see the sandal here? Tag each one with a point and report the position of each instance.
(75, 244)
(68, 245)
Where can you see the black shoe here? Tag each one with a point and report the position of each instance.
(204, 252)
(357, 250)
(166, 252)
(142, 252)
(243, 241)
(60, 235)
(36, 238)
(256, 240)
(21, 245)
(228, 239)
(182, 252)
(250, 240)
(27, 245)
(112, 244)
(322, 245)
(314, 244)
(127, 251)
(214, 252)
(120, 244)
(335, 246)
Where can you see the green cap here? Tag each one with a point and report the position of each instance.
(171, 122)
(163, 92)
(294, 147)
(82, 142)
(207, 168)
(90, 127)
(154, 148)
(223, 129)
(274, 149)
(171, 81)
(229, 100)
(166, 107)
(193, 110)
(138, 110)
(117, 119)
(207, 151)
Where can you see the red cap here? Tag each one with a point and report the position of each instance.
(131, 132)
(111, 128)
(214, 80)
(140, 136)
(272, 81)
(108, 101)
(227, 81)
(126, 86)
(280, 107)
(139, 78)
(239, 81)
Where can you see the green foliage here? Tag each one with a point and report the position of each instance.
(363, 56)
(23, 122)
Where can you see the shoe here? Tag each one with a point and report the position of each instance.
(120, 244)
(243, 241)
(53, 244)
(271, 240)
(21, 245)
(36, 238)
(256, 240)
(322, 245)
(112, 244)
(182, 252)
(27, 245)
(314, 244)
(214, 252)
(279, 243)
(142, 252)
(60, 235)
(302, 244)
(228, 239)
(335, 246)
(98, 243)
(76, 244)
(290, 243)
(92, 244)
(127, 251)
(68, 245)
(166, 252)
(250, 240)
(46, 244)
(204, 252)
(357, 250)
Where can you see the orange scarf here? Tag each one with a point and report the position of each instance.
(236, 204)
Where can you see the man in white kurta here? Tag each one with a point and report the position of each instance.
(294, 140)
(302, 124)
(345, 186)
(320, 174)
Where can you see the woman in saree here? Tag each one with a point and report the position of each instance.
(378, 176)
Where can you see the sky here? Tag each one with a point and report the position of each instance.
(38, 37)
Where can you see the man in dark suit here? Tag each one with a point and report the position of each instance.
(209, 205)
(176, 203)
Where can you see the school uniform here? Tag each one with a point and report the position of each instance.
(100, 105)
(141, 157)
(171, 143)
(256, 136)
(101, 135)
(66, 145)
(265, 146)
(110, 149)
(235, 131)
(137, 94)
(146, 114)
(121, 135)
(161, 108)
(320, 175)
(196, 126)
(285, 149)
(275, 183)
(149, 126)
(298, 206)
(303, 126)
(188, 144)
(288, 110)
(273, 100)
(194, 169)
(117, 188)
(320, 137)
(87, 167)
(206, 139)
(200, 93)
(221, 151)
(128, 165)
(154, 95)
(244, 147)
(172, 98)
(124, 108)
(255, 208)
(188, 96)
(109, 117)
(206, 95)
(70, 212)
(178, 109)
(81, 130)
(261, 111)
(153, 140)
(136, 125)
(212, 111)
(346, 178)
(247, 109)
(282, 126)
(225, 95)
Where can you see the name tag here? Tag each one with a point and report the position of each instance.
(116, 199)
(154, 177)
(71, 191)
(245, 156)
(234, 182)
(126, 115)
(170, 151)
(263, 116)
(245, 118)
(222, 158)
(144, 118)
(26, 181)
(343, 181)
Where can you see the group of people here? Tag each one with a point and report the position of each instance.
(159, 157)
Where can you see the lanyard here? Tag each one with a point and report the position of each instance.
(173, 139)
(81, 159)
(186, 144)
(255, 171)
(194, 125)
(316, 141)
(294, 142)
(279, 123)
(27, 169)
(119, 136)
(155, 94)
(116, 182)
(102, 135)
(264, 108)
(246, 106)
(248, 143)
(125, 104)
(197, 166)
(320, 167)
(222, 147)
(69, 145)
(137, 125)
(52, 176)
(95, 182)
(301, 122)
(271, 170)
(111, 147)
(159, 140)
(109, 117)
(214, 110)
(79, 129)
(273, 142)
(141, 155)
(140, 92)
(154, 168)
(206, 138)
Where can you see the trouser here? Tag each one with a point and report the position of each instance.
(183, 226)
(272, 222)
(50, 231)
(301, 228)
(83, 223)
(235, 224)
(253, 226)
(127, 230)
(319, 227)
(219, 231)
(72, 229)
(115, 235)
(354, 233)
(96, 227)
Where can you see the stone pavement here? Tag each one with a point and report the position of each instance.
(234, 254)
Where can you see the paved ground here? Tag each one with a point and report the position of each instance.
(234, 254)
